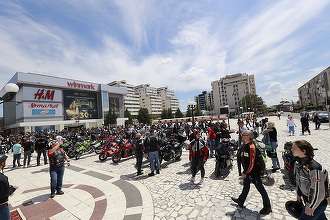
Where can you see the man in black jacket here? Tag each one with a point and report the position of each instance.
(5, 190)
(305, 123)
(40, 146)
(138, 146)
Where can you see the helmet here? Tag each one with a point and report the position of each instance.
(3, 157)
(267, 179)
(294, 208)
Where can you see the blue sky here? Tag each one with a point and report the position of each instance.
(184, 44)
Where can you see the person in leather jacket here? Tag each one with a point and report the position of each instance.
(139, 150)
(312, 181)
(253, 168)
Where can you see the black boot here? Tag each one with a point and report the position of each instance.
(265, 210)
(151, 174)
(238, 202)
(157, 171)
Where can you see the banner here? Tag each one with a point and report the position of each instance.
(79, 105)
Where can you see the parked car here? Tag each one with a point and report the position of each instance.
(323, 116)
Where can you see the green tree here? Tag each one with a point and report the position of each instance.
(128, 115)
(178, 113)
(169, 113)
(110, 118)
(188, 113)
(254, 102)
(164, 114)
(143, 116)
(197, 111)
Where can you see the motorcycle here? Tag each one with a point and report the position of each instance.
(224, 155)
(121, 148)
(171, 149)
(289, 162)
(107, 149)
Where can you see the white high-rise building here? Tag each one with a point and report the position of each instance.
(229, 90)
(169, 101)
(132, 99)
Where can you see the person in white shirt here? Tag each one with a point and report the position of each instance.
(291, 124)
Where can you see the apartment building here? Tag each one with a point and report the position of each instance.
(229, 90)
(316, 91)
(205, 100)
(169, 101)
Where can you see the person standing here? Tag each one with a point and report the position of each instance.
(253, 168)
(5, 190)
(17, 153)
(28, 147)
(152, 147)
(217, 132)
(317, 121)
(139, 149)
(274, 144)
(290, 123)
(57, 157)
(312, 181)
(305, 123)
(198, 154)
(241, 129)
(211, 138)
(40, 147)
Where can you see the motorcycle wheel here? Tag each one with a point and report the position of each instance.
(71, 154)
(102, 156)
(98, 150)
(79, 154)
(292, 177)
(217, 170)
(178, 155)
(116, 158)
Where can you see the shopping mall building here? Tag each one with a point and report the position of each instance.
(48, 102)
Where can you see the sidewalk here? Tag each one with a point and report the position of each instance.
(96, 190)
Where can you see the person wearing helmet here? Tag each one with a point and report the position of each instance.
(5, 190)
(312, 181)
(253, 168)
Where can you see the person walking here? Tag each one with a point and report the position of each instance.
(253, 168)
(17, 147)
(57, 157)
(28, 147)
(40, 146)
(305, 123)
(5, 190)
(312, 181)
(290, 123)
(198, 154)
(241, 129)
(274, 144)
(139, 149)
(152, 147)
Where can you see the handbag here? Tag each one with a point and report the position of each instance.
(271, 153)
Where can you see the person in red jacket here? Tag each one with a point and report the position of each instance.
(198, 154)
(211, 139)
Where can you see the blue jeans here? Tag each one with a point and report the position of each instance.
(259, 186)
(17, 157)
(318, 214)
(4, 212)
(276, 163)
(153, 156)
(291, 129)
(56, 178)
(212, 145)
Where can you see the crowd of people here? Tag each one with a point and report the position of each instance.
(311, 177)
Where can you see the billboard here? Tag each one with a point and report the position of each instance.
(79, 105)
(114, 105)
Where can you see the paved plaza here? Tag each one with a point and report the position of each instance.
(104, 190)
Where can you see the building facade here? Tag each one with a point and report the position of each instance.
(47, 102)
(229, 90)
(145, 96)
(316, 91)
(205, 101)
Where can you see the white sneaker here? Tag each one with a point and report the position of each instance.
(201, 181)
(192, 180)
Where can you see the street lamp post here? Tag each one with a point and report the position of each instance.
(227, 106)
(192, 106)
(11, 90)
